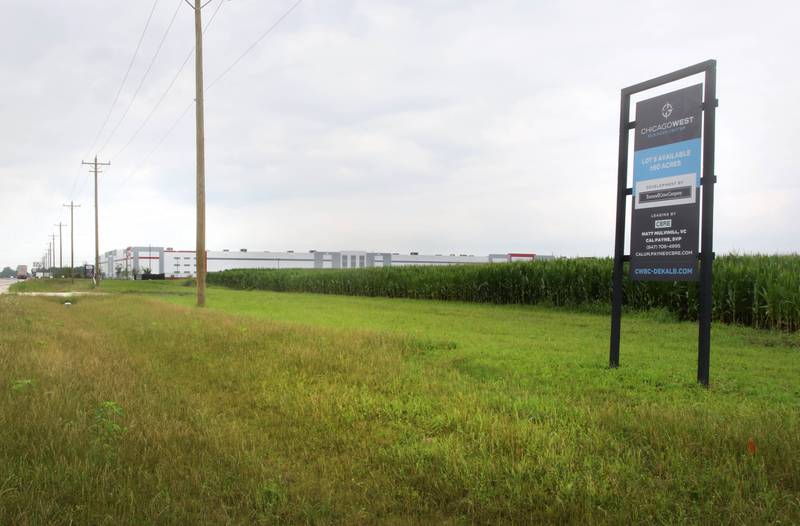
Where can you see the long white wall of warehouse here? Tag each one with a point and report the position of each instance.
(132, 262)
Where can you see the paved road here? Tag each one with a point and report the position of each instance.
(5, 283)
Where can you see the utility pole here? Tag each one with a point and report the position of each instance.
(60, 246)
(94, 164)
(72, 206)
(200, 251)
(52, 250)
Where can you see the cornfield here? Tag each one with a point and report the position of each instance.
(754, 290)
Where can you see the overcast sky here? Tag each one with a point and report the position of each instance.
(435, 126)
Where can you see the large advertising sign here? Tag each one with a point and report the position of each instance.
(666, 186)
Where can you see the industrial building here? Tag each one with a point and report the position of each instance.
(132, 262)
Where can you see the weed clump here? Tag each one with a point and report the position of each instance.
(22, 385)
(107, 429)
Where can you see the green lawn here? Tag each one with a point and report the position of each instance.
(298, 408)
(538, 346)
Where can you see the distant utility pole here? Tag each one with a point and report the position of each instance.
(200, 251)
(94, 164)
(60, 246)
(52, 250)
(72, 206)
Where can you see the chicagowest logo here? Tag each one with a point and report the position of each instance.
(666, 111)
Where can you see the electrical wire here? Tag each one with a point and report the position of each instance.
(158, 103)
(158, 144)
(116, 97)
(254, 44)
(212, 83)
(144, 77)
(125, 78)
(160, 100)
(177, 121)
(167, 90)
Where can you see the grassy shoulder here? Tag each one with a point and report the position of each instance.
(109, 286)
(52, 285)
(300, 408)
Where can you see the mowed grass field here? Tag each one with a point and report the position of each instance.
(271, 408)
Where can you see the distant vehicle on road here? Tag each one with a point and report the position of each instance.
(22, 272)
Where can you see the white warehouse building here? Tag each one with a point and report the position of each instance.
(132, 262)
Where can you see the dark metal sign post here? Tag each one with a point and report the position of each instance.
(665, 207)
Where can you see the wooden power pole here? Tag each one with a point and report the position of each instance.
(72, 206)
(94, 164)
(60, 246)
(200, 251)
(52, 250)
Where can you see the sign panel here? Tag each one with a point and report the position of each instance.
(665, 221)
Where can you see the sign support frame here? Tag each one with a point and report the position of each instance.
(706, 256)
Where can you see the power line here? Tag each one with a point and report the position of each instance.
(166, 91)
(153, 110)
(158, 103)
(144, 77)
(160, 100)
(158, 144)
(83, 188)
(255, 43)
(125, 78)
(217, 79)
(116, 97)
(74, 184)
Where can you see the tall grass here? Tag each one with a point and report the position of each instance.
(758, 291)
